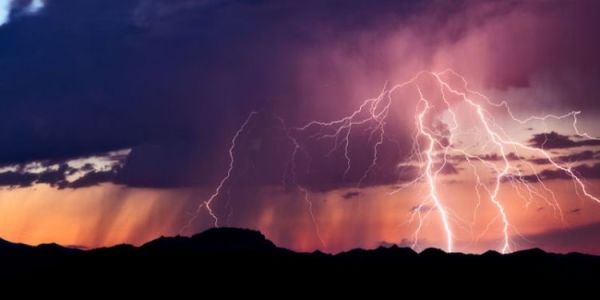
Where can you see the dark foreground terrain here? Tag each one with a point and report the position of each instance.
(245, 259)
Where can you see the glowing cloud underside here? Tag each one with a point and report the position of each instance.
(35, 6)
(435, 142)
(8, 6)
(5, 6)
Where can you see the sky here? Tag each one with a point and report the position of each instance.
(330, 124)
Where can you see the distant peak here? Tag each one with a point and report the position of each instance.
(216, 239)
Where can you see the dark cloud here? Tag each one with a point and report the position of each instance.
(14, 179)
(55, 178)
(569, 158)
(160, 165)
(173, 79)
(17, 179)
(93, 178)
(553, 140)
(497, 157)
(558, 54)
(582, 171)
(511, 156)
(539, 161)
(59, 174)
(350, 195)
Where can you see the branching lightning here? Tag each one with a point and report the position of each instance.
(435, 146)
(207, 203)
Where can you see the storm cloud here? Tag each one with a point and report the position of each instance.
(584, 171)
(173, 80)
(553, 140)
(568, 158)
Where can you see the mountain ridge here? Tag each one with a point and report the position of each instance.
(246, 257)
(243, 239)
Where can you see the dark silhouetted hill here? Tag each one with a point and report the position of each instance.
(215, 240)
(245, 259)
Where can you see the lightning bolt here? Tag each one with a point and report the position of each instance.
(429, 173)
(436, 143)
(217, 193)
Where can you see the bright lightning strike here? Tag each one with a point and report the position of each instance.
(435, 142)
(429, 173)
(207, 203)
